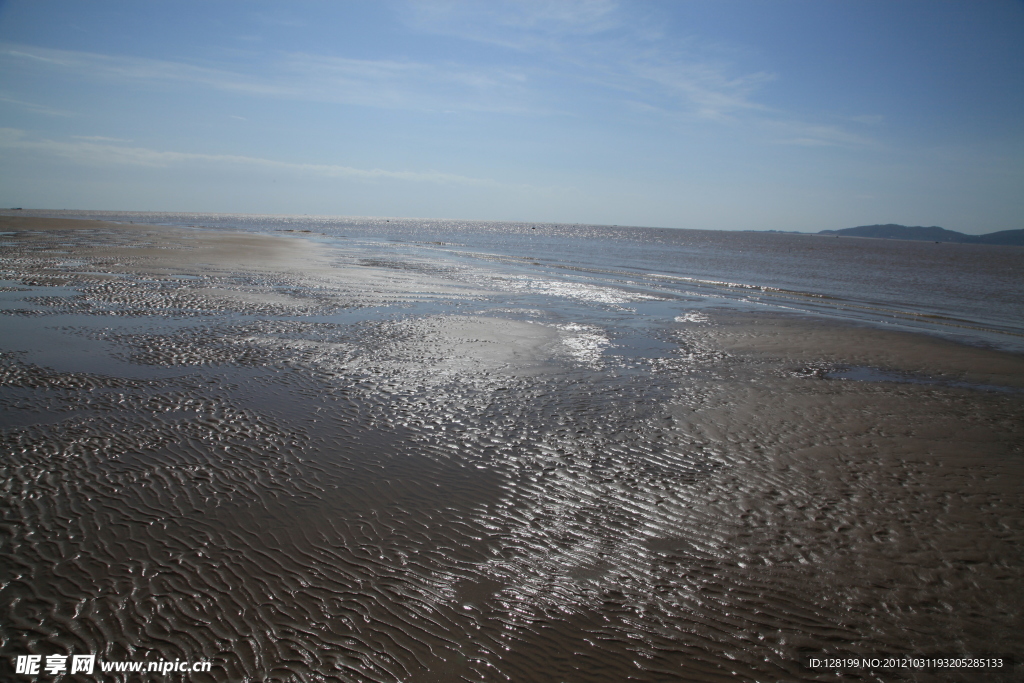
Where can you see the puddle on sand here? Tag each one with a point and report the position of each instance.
(869, 374)
(74, 344)
(641, 346)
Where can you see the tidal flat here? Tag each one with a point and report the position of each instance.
(302, 465)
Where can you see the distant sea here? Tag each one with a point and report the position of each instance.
(966, 292)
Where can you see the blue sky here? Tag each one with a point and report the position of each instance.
(717, 114)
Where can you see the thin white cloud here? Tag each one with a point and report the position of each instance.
(95, 152)
(520, 24)
(594, 42)
(565, 50)
(298, 76)
(34, 55)
(706, 90)
(98, 138)
(803, 134)
(406, 84)
(34, 107)
(122, 68)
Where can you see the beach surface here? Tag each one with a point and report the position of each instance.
(302, 465)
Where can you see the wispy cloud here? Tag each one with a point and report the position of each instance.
(804, 134)
(704, 90)
(375, 83)
(566, 56)
(122, 68)
(98, 138)
(97, 151)
(596, 42)
(519, 24)
(34, 107)
(406, 84)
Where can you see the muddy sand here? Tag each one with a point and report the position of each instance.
(259, 451)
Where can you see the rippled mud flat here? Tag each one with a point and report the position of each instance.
(301, 466)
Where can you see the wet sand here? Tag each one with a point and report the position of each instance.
(263, 452)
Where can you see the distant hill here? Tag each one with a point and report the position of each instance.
(891, 231)
(1015, 237)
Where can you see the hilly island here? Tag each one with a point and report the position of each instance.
(934, 233)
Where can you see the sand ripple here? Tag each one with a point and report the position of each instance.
(485, 496)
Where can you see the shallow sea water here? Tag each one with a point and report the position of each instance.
(921, 286)
(498, 461)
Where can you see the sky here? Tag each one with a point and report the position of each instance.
(714, 114)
